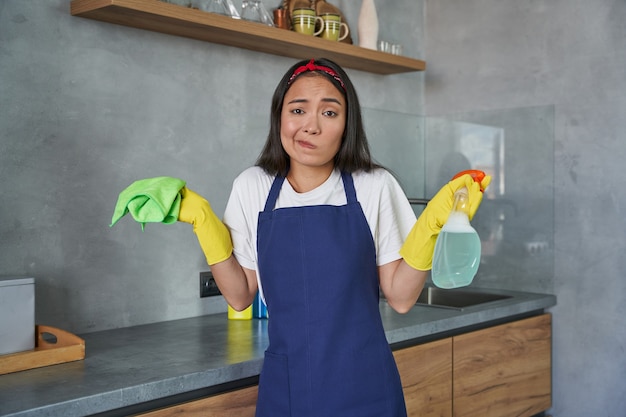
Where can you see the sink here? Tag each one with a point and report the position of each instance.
(455, 299)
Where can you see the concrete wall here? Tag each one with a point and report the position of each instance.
(495, 54)
(88, 107)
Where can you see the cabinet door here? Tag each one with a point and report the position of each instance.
(426, 373)
(503, 370)
(238, 403)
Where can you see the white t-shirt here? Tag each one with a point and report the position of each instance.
(386, 207)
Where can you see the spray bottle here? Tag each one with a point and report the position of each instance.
(457, 250)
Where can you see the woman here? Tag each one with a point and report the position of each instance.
(318, 227)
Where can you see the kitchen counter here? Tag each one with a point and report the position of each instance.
(138, 368)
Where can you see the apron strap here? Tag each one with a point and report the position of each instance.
(348, 186)
(270, 203)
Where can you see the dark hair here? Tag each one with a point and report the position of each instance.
(353, 154)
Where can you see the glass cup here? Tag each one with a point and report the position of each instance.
(254, 11)
(304, 21)
(384, 46)
(333, 26)
(396, 49)
(390, 48)
(224, 7)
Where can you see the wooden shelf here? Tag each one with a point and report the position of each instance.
(168, 18)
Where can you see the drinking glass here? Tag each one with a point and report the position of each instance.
(224, 7)
(254, 11)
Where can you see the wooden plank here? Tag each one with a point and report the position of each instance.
(503, 371)
(426, 373)
(171, 19)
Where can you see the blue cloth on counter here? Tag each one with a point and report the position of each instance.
(154, 200)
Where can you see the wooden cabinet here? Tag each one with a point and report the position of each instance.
(504, 370)
(238, 403)
(501, 371)
(426, 373)
(159, 16)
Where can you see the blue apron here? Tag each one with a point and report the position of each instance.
(328, 355)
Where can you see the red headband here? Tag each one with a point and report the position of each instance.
(310, 66)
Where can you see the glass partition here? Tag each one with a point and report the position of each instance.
(516, 147)
(397, 142)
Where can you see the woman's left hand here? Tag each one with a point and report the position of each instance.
(419, 245)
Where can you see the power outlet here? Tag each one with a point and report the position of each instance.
(208, 287)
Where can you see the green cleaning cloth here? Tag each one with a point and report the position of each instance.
(150, 200)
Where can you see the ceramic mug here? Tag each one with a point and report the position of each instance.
(333, 26)
(304, 21)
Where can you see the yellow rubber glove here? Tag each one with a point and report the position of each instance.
(419, 245)
(212, 234)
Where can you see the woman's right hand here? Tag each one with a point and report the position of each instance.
(212, 234)
(192, 206)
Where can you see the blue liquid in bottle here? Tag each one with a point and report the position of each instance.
(457, 250)
(259, 309)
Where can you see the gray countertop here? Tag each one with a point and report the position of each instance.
(127, 368)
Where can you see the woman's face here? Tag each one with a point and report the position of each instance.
(313, 120)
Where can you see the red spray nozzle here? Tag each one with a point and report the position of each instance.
(476, 174)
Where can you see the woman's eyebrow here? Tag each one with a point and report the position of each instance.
(304, 100)
(298, 100)
(331, 100)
